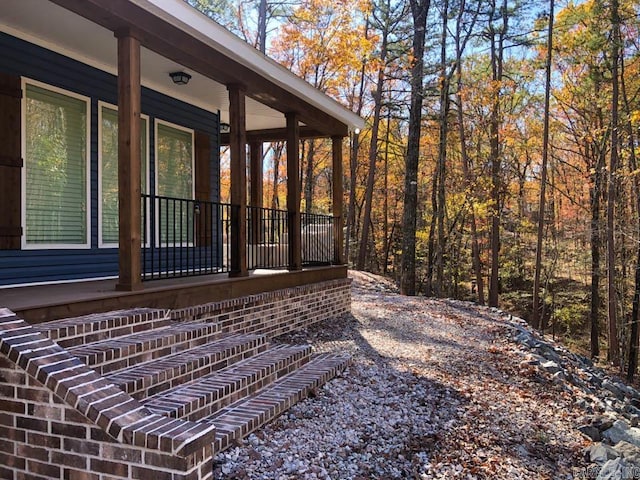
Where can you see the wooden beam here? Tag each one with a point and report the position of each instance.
(129, 162)
(256, 191)
(337, 199)
(175, 44)
(275, 135)
(238, 167)
(293, 192)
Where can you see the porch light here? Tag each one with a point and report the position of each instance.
(196, 208)
(225, 128)
(180, 78)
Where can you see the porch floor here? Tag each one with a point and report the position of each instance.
(41, 303)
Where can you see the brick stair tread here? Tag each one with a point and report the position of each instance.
(185, 366)
(91, 328)
(239, 419)
(211, 392)
(112, 354)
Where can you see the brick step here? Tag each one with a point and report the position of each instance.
(124, 352)
(208, 394)
(146, 379)
(69, 332)
(239, 419)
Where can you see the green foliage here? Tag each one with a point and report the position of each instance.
(570, 319)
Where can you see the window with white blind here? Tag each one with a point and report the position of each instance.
(174, 179)
(56, 168)
(108, 173)
(174, 161)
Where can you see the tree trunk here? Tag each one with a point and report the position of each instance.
(475, 246)
(543, 175)
(634, 337)
(262, 26)
(442, 150)
(385, 207)
(353, 164)
(595, 192)
(278, 147)
(373, 150)
(419, 10)
(614, 348)
(497, 55)
(309, 178)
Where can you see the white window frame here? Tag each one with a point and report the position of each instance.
(102, 105)
(193, 174)
(23, 128)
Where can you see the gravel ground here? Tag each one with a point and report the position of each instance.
(437, 389)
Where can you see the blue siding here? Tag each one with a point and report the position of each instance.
(21, 58)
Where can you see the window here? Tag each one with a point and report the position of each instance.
(108, 176)
(56, 173)
(174, 161)
(174, 174)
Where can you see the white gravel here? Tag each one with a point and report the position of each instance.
(436, 390)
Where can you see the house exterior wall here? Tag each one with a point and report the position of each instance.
(24, 59)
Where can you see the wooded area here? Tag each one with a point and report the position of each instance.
(499, 163)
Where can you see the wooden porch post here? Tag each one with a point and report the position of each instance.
(255, 195)
(293, 192)
(238, 151)
(129, 162)
(338, 256)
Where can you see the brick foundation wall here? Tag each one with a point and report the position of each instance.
(47, 435)
(275, 313)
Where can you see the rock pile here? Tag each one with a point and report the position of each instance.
(612, 408)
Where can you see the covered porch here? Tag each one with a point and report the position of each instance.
(224, 248)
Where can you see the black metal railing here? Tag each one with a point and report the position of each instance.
(317, 239)
(267, 238)
(183, 237)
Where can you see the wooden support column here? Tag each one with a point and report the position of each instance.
(238, 167)
(255, 195)
(293, 192)
(337, 199)
(10, 162)
(129, 162)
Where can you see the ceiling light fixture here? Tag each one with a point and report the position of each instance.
(180, 78)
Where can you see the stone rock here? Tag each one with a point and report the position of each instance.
(551, 367)
(591, 432)
(614, 388)
(629, 452)
(548, 352)
(559, 377)
(616, 469)
(632, 418)
(621, 431)
(600, 453)
(628, 408)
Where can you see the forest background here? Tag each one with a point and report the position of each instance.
(499, 161)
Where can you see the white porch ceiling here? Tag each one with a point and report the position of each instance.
(51, 26)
